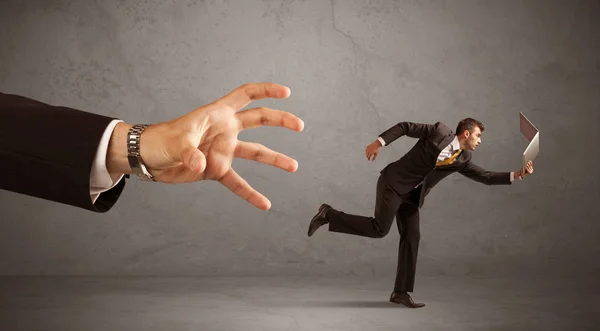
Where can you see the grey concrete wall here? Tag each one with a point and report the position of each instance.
(355, 69)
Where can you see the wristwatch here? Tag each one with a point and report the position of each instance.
(133, 152)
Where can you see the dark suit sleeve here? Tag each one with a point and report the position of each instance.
(477, 173)
(47, 152)
(410, 129)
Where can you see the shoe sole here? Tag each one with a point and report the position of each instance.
(405, 305)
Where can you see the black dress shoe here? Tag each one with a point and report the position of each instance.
(319, 219)
(405, 299)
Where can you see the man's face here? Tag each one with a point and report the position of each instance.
(473, 139)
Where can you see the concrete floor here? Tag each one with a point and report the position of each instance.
(271, 303)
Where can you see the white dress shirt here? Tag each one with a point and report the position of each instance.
(100, 179)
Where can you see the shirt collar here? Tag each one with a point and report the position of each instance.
(455, 145)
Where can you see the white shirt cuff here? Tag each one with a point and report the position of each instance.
(100, 179)
(512, 176)
(381, 141)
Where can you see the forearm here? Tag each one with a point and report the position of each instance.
(50, 157)
(516, 175)
(498, 178)
(410, 129)
(393, 133)
(486, 177)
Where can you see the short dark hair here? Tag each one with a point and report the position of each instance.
(469, 124)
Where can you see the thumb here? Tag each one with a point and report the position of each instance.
(193, 159)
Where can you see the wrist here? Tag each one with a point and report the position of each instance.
(116, 157)
(519, 174)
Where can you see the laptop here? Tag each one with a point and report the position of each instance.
(532, 134)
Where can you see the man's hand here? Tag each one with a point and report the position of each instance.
(202, 144)
(527, 171)
(372, 150)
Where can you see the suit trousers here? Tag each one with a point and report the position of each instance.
(388, 204)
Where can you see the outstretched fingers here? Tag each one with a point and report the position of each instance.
(260, 153)
(243, 95)
(260, 116)
(239, 186)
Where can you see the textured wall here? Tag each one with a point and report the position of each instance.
(355, 69)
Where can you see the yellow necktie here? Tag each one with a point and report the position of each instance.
(449, 160)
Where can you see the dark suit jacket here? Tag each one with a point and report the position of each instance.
(418, 164)
(48, 151)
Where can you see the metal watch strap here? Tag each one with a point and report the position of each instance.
(133, 152)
